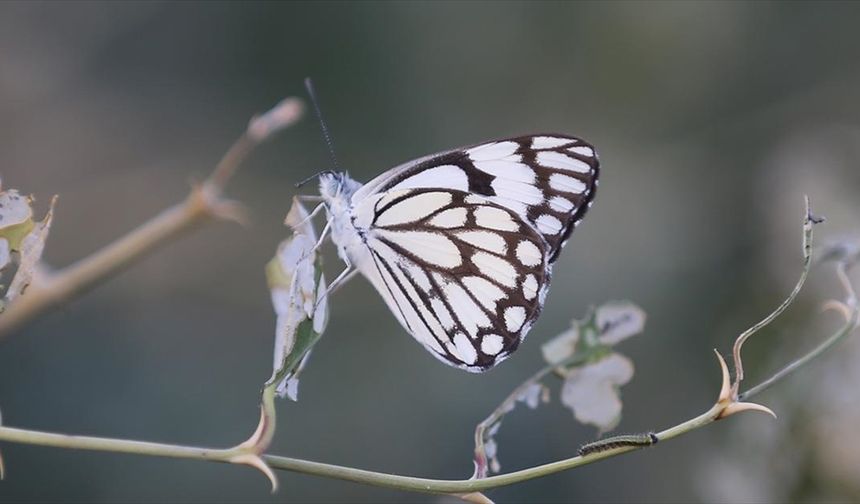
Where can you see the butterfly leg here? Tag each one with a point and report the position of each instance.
(323, 236)
(344, 276)
(310, 216)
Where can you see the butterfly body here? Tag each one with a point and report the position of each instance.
(337, 189)
(460, 244)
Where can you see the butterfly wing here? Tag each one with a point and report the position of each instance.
(465, 276)
(547, 180)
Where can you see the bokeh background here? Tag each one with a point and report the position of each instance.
(712, 120)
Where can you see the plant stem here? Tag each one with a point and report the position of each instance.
(111, 445)
(407, 483)
(394, 481)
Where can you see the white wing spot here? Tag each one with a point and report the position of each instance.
(451, 218)
(492, 344)
(496, 268)
(560, 204)
(522, 192)
(565, 183)
(512, 204)
(420, 277)
(467, 352)
(448, 176)
(509, 169)
(528, 253)
(471, 315)
(582, 150)
(561, 161)
(514, 318)
(442, 313)
(494, 218)
(486, 240)
(486, 292)
(434, 248)
(547, 142)
(495, 150)
(547, 224)
(530, 286)
(413, 208)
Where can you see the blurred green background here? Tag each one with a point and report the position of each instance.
(712, 120)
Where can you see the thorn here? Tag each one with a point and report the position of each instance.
(726, 388)
(474, 497)
(839, 306)
(729, 398)
(230, 210)
(253, 460)
(248, 452)
(204, 198)
(738, 407)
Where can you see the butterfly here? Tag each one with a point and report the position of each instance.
(461, 244)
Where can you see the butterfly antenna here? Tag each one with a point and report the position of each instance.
(309, 85)
(315, 175)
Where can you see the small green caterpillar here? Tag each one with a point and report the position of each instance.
(602, 445)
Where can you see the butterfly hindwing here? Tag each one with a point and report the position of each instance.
(467, 276)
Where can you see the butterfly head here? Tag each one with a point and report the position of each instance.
(337, 186)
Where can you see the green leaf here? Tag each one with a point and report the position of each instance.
(305, 336)
(297, 288)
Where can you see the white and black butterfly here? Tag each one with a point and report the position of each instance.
(461, 244)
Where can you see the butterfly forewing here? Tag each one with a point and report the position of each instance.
(467, 276)
(547, 180)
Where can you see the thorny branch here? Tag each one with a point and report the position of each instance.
(728, 403)
(204, 202)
